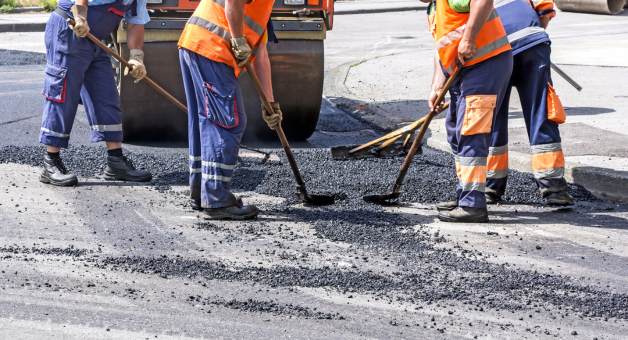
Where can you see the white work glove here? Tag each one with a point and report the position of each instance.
(273, 120)
(241, 50)
(80, 27)
(137, 60)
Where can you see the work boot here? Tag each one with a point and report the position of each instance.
(55, 173)
(232, 213)
(559, 199)
(492, 198)
(122, 169)
(447, 206)
(196, 204)
(464, 215)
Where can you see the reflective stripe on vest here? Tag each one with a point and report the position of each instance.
(450, 26)
(497, 163)
(548, 160)
(526, 32)
(207, 31)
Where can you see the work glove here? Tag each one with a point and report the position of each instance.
(137, 60)
(80, 27)
(273, 120)
(241, 50)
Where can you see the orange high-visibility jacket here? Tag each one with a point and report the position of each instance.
(207, 31)
(450, 25)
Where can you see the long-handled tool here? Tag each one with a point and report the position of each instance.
(383, 199)
(384, 150)
(126, 63)
(566, 77)
(302, 194)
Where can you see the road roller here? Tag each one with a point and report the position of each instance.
(297, 63)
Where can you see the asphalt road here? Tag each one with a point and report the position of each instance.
(108, 260)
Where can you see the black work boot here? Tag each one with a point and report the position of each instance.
(232, 213)
(447, 206)
(55, 173)
(464, 215)
(196, 204)
(122, 169)
(559, 199)
(492, 198)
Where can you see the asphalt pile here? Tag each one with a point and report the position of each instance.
(270, 307)
(431, 178)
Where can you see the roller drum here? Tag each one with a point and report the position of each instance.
(591, 6)
(297, 74)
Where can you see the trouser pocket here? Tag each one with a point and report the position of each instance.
(55, 83)
(220, 106)
(555, 110)
(478, 116)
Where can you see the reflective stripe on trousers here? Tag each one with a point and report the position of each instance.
(497, 166)
(548, 160)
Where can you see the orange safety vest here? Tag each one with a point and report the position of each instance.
(447, 27)
(207, 31)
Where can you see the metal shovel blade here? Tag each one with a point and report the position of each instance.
(382, 199)
(316, 199)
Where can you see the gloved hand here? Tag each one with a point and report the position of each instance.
(137, 60)
(241, 50)
(80, 27)
(273, 120)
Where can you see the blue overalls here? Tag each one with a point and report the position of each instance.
(531, 76)
(475, 94)
(78, 68)
(216, 123)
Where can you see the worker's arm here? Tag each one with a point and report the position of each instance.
(135, 36)
(135, 40)
(438, 82)
(234, 10)
(261, 66)
(479, 12)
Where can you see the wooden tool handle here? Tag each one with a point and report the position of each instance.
(417, 141)
(282, 137)
(126, 63)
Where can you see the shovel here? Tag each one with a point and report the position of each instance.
(355, 152)
(302, 194)
(126, 63)
(384, 199)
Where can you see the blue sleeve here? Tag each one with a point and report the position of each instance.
(142, 14)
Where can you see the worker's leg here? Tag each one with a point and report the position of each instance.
(102, 100)
(221, 123)
(497, 161)
(67, 60)
(548, 162)
(102, 106)
(481, 89)
(194, 134)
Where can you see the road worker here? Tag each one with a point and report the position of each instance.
(469, 33)
(77, 69)
(218, 39)
(525, 25)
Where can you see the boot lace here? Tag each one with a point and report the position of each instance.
(59, 164)
(128, 162)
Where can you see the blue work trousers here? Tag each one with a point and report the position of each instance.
(531, 76)
(216, 122)
(475, 94)
(79, 69)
